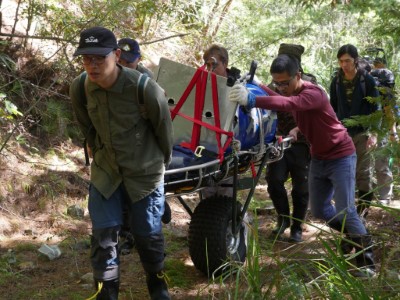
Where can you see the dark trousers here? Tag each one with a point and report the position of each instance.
(295, 162)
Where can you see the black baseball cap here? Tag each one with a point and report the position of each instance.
(130, 49)
(96, 41)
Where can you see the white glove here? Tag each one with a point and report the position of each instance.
(244, 77)
(239, 93)
(256, 81)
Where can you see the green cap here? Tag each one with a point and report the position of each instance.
(291, 49)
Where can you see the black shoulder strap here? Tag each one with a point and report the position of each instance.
(337, 85)
(362, 81)
(82, 91)
(142, 82)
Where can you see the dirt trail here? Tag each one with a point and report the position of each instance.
(35, 196)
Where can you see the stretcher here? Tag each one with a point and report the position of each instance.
(216, 143)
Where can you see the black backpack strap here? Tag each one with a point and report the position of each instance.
(141, 86)
(82, 91)
(363, 88)
(337, 86)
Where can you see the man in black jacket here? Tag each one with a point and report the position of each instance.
(348, 95)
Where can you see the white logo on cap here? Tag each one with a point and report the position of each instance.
(91, 39)
(126, 47)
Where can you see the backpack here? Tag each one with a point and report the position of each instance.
(383, 77)
(142, 82)
(309, 77)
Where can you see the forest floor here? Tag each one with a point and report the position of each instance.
(35, 192)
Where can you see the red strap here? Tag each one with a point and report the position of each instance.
(198, 108)
(253, 169)
(220, 131)
(207, 125)
(186, 93)
(199, 80)
(217, 122)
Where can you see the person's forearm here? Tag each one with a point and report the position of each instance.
(276, 102)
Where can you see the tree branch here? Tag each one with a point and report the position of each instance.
(35, 37)
(69, 41)
(165, 38)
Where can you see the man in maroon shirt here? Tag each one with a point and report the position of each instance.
(333, 158)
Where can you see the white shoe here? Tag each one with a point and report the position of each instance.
(385, 201)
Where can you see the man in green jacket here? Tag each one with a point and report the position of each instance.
(130, 151)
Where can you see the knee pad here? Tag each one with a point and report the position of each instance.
(104, 253)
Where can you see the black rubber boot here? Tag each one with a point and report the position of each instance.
(364, 260)
(364, 202)
(109, 290)
(166, 218)
(345, 245)
(157, 286)
(282, 224)
(296, 232)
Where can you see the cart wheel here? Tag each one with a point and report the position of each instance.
(210, 230)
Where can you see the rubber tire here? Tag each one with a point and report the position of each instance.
(208, 229)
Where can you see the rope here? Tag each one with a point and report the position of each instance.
(100, 286)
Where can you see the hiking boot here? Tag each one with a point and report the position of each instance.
(281, 226)
(364, 272)
(166, 217)
(157, 286)
(345, 245)
(295, 235)
(365, 257)
(385, 202)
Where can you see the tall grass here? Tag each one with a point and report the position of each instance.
(278, 270)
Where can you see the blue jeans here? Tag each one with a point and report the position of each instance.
(330, 179)
(145, 223)
(145, 215)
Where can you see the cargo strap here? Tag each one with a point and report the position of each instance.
(199, 80)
